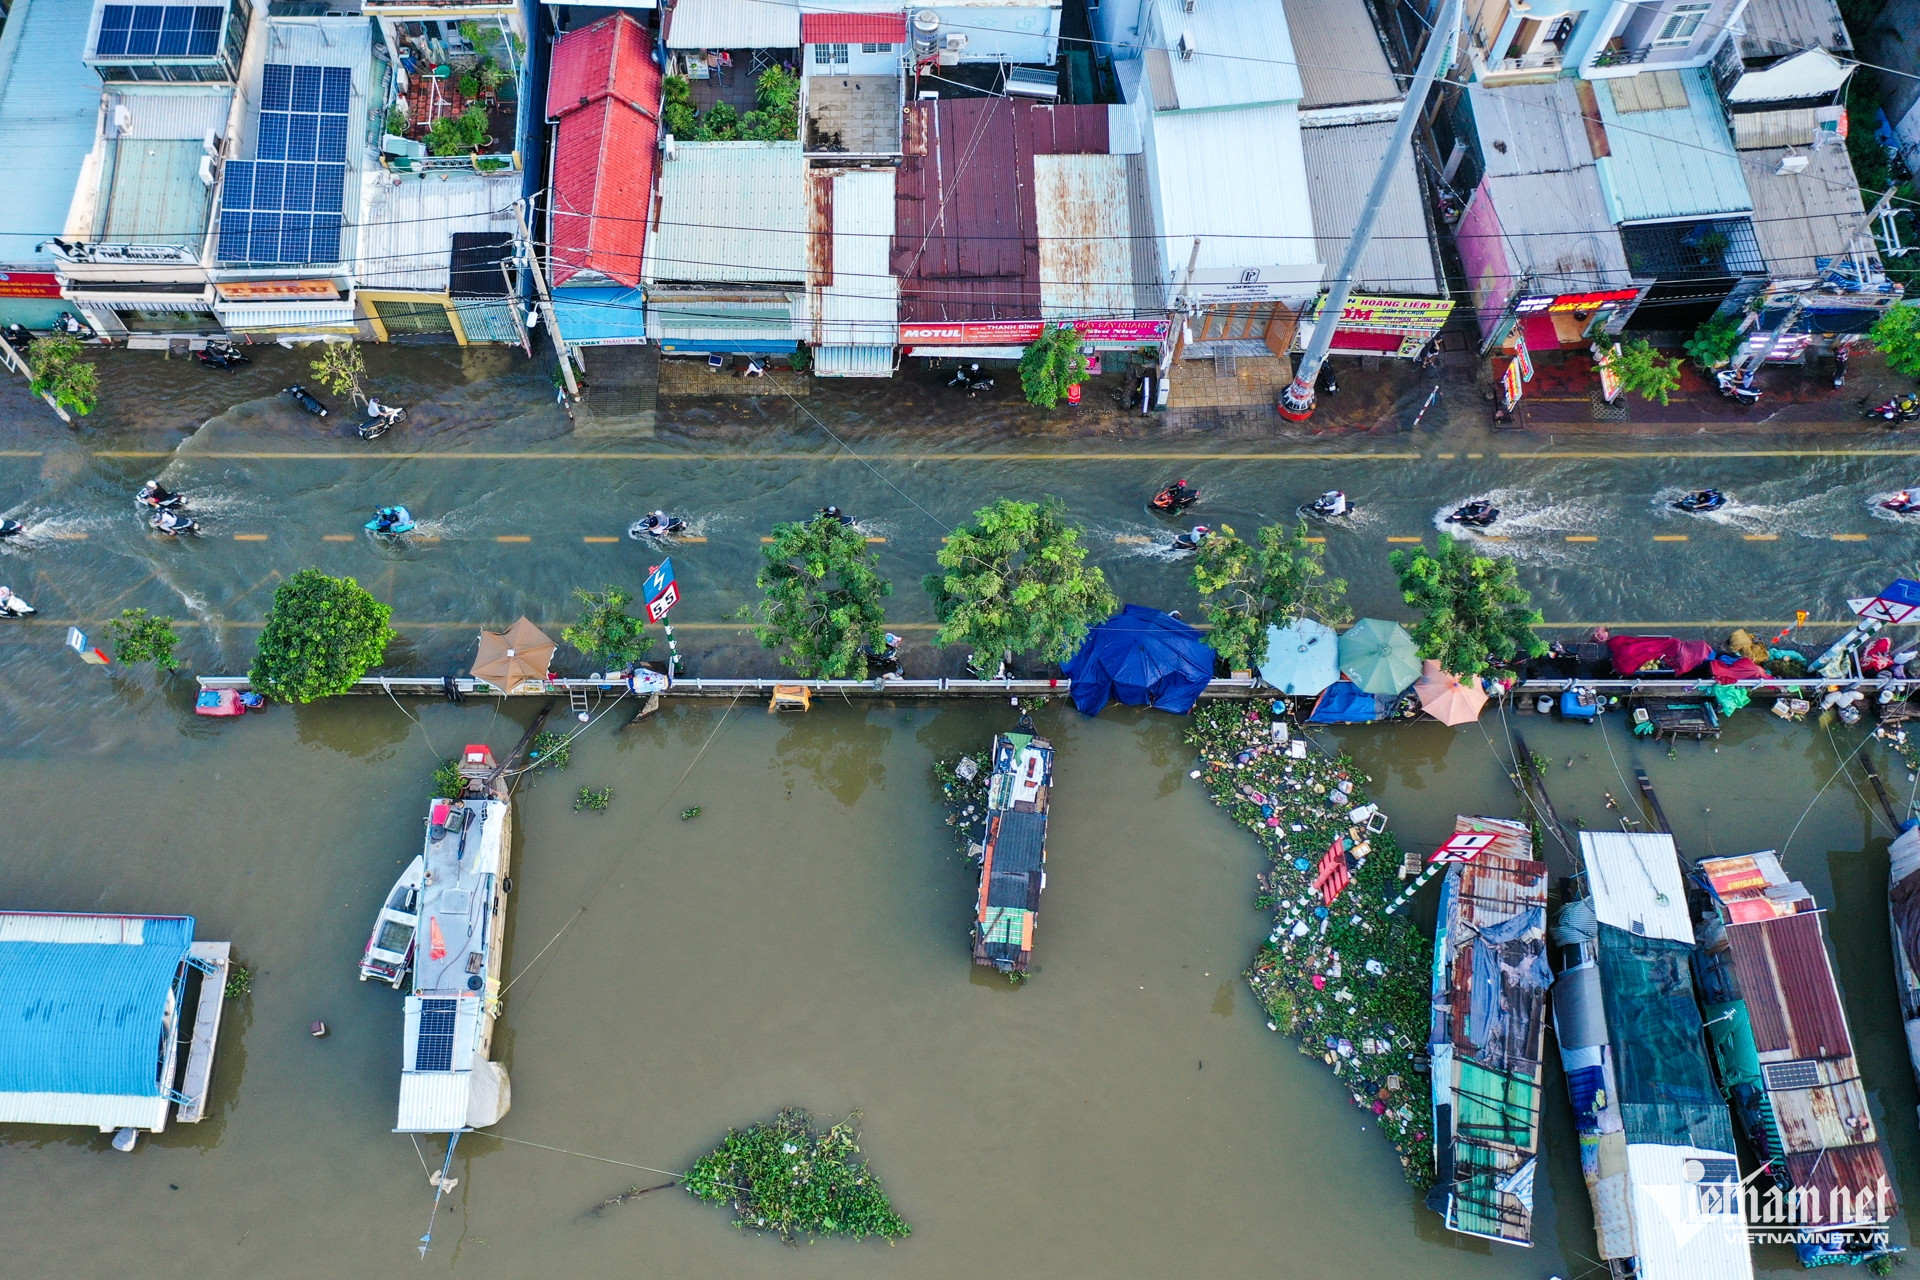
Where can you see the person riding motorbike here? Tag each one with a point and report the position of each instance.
(1331, 504)
(1478, 513)
(156, 495)
(1191, 540)
(173, 523)
(834, 513)
(1702, 500)
(1177, 496)
(1901, 502)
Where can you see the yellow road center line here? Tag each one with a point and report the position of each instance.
(591, 538)
(249, 537)
(1669, 537)
(1309, 539)
(1581, 537)
(1763, 537)
(71, 537)
(1403, 539)
(1447, 456)
(513, 537)
(692, 537)
(1495, 537)
(1849, 537)
(876, 539)
(336, 537)
(1124, 537)
(426, 537)
(766, 539)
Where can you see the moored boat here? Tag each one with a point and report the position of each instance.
(389, 953)
(1903, 906)
(1013, 866)
(1488, 1030)
(447, 1082)
(1656, 1142)
(1779, 1036)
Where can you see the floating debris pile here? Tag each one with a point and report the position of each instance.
(1350, 981)
(784, 1176)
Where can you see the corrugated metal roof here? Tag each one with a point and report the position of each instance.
(1774, 28)
(1635, 879)
(407, 226)
(1791, 127)
(600, 314)
(1539, 215)
(852, 362)
(1533, 128)
(734, 24)
(1675, 1237)
(171, 115)
(861, 306)
(49, 111)
(1247, 204)
(1789, 987)
(283, 315)
(152, 193)
(1798, 217)
(692, 320)
(1219, 71)
(1338, 54)
(89, 1110)
(433, 1101)
(1673, 163)
(86, 1017)
(1086, 233)
(733, 212)
(1859, 1169)
(604, 153)
(1342, 161)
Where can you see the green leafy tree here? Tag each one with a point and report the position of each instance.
(1473, 608)
(1246, 588)
(340, 369)
(1051, 363)
(1015, 581)
(720, 123)
(676, 110)
(1644, 371)
(606, 629)
(1714, 342)
(823, 599)
(322, 634)
(139, 636)
(1896, 335)
(59, 372)
(776, 118)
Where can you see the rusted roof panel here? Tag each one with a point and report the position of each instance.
(1860, 1170)
(1828, 1115)
(966, 240)
(1788, 983)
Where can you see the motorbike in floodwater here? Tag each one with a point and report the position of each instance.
(1733, 387)
(306, 400)
(1896, 411)
(382, 421)
(1331, 505)
(11, 528)
(971, 380)
(223, 356)
(1700, 501)
(1477, 514)
(391, 521)
(1177, 496)
(656, 524)
(174, 524)
(74, 327)
(1191, 540)
(156, 498)
(13, 606)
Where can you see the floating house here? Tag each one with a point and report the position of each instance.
(1656, 1143)
(1903, 905)
(447, 1082)
(1490, 980)
(110, 1021)
(1013, 866)
(1779, 1036)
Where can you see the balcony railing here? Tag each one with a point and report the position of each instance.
(1621, 57)
(1531, 62)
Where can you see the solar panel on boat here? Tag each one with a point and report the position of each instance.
(1791, 1075)
(434, 1052)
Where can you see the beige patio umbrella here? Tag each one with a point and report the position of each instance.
(1446, 697)
(507, 658)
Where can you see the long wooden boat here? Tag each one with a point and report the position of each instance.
(1013, 868)
(447, 1082)
(1490, 980)
(1903, 906)
(1779, 1036)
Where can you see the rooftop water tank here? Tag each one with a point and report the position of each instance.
(926, 31)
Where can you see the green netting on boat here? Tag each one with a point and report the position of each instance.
(1476, 1206)
(1008, 925)
(1667, 1091)
(1493, 1106)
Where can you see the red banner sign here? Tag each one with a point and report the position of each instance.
(29, 284)
(1007, 333)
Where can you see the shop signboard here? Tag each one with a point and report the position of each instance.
(1007, 333)
(276, 290)
(1522, 356)
(1609, 381)
(1510, 384)
(29, 284)
(1591, 301)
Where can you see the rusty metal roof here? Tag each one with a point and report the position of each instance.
(1789, 988)
(966, 238)
(1861, 1169)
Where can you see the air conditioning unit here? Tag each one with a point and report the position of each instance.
(1791, 163)
(1187, 46)
(1186, 6)
(667, 149)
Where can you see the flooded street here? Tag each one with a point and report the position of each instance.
(802, 942)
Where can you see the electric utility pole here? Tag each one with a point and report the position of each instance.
(1296, 402)
(546, 301)
(1750, 354)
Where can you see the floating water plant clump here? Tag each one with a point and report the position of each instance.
(690, 813)
(550, 750)
(593, 798)
(447, 782)
(239, 981)
(963, 786)
(1347, 979)
(784, 1176)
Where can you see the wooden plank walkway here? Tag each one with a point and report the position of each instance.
(206, 1030)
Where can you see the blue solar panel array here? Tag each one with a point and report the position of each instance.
(285, 205)
(434, 1052)
(158, 31)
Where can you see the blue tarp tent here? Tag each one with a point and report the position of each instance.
(1144, 658)
(1345, 702)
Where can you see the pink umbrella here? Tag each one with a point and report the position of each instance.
(1446, 697)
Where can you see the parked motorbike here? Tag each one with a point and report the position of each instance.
(74, 327)
(1901, 408)
(306, 400)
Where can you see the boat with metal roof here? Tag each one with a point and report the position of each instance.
(448, 1084)
(1779, 1036)
(1488, 1029)
(1013, 864)
(1656, 1141)
(1903, 906)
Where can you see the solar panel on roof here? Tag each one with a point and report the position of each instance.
(298, 175)
(434, 1052)
(276, 84)
(155, 30)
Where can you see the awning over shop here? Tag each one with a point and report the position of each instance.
(604, 316)
(696, 325)
(141, 301)
(283, 315)
(853, 362)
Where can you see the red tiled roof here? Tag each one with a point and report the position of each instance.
(605, 88)
(853, 28)
(966, 244)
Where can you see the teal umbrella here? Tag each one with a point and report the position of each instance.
(1303, 657)
(1379, 656)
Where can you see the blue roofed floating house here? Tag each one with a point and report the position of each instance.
(107, 1021)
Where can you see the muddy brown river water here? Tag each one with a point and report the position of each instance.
(802, 943)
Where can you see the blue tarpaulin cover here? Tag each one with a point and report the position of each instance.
(1144, 658)
(84, 1017)
(1345, 702)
